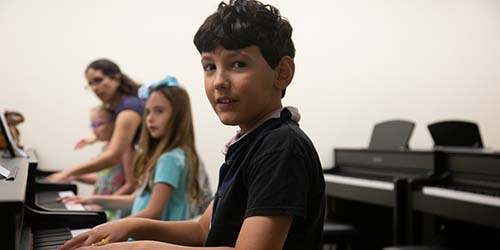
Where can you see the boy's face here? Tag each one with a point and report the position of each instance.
(102, 125)
(240, 85)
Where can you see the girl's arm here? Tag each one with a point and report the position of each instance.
(159, 199)
(105, 201)
(85, 141)
(126, 124)
(127, 162)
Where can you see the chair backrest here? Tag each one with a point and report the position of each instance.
(392, 135)
(456, 134)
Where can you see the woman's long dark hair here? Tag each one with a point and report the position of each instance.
(111, 70)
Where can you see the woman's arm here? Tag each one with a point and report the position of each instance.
(127, 162)
(159, 199)
(87, 178)
(126, 124)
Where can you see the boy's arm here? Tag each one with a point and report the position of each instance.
(257, 233)
(190, 233)
(264, 232)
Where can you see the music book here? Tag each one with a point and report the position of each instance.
(11, 146)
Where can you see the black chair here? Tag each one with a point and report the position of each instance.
(455, 134)
(391, 135)
(416, 248)
(338, 234)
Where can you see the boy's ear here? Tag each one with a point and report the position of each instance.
(285, 71)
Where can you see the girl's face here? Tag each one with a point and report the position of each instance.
(102, 125)
(103, 86)
(158, 113)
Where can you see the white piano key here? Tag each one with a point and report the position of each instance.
(359, 182)
(76, 232)
(74, 207)
(462, 196)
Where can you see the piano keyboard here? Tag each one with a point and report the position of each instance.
(462, 196)
(49, 200)
(74, 207)
(359, 182)
(50, 239)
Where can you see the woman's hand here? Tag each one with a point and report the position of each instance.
(110, 232)
(85, 141)
(63, 176)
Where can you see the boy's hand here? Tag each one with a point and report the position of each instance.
(114, 231)
(85, 141)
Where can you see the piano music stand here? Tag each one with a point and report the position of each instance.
(455, 134)
(391, 135)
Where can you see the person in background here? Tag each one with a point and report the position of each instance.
(107, 181)
(118, 93)
(271, 187)
(166, 165)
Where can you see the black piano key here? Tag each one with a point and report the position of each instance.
(50, 231)
(48, 244)
(47, 248)
(52, 238)
(50, 235)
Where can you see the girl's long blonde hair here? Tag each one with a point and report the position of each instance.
(179, 133)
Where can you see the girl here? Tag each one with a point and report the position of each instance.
(166, 165)
(108, 181)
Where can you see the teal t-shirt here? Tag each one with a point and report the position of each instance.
(171, 170)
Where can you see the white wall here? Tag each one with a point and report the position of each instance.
(358, 62)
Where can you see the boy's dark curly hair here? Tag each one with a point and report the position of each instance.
(242, 23)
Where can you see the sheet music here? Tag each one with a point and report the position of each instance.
(9, 139)
(4, 172)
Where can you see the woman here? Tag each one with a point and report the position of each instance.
(119, 93)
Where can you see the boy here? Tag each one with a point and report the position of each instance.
(271, 187)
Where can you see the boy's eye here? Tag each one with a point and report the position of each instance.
(239, 65)
(208, 67)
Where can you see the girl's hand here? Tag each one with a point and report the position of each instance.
(63, 176)
(103, 234)
(93, 207)
(85, 141)
(74, 200)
